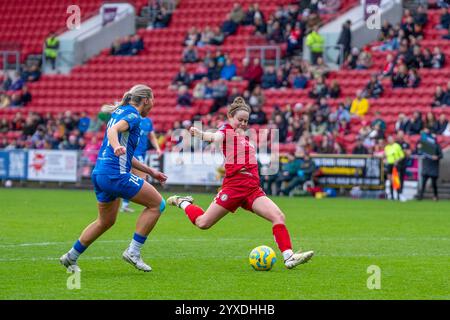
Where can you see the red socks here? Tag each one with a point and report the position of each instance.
(282, 237)
(193, 212)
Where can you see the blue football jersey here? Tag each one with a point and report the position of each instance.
(107, 161)
(146, 127)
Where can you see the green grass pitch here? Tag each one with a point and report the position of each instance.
(409, 242)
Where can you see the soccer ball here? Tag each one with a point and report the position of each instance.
(262, 258)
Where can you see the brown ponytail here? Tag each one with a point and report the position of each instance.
(238, 105)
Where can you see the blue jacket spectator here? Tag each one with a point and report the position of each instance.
(228, 71)
(83, 124)
(137, 45)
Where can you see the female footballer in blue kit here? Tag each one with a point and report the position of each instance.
(113, 180)
(140, 152)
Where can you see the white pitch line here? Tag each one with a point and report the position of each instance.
(44, 244)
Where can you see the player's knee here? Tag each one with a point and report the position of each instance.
(162, 206)
(279, 217)
(202, 224)
(106, 223)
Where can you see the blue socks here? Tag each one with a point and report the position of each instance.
(76, 250)
(136, 244)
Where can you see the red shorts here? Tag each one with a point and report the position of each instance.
(239, 191)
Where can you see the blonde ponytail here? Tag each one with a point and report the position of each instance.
(135, 96)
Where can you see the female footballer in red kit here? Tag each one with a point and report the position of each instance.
(241, 185)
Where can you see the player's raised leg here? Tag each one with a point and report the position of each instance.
(107, 215)
(202, 219)
(266, 208)
(154, 205)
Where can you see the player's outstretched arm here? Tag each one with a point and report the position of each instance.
(161, 177)
(206, 136)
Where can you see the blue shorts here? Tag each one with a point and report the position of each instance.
(108, 188)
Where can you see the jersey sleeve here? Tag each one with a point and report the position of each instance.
(223, 129)
(132, 119)
(150, 125)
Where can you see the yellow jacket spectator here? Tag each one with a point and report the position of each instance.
(315, 43)
(360, 105)
(51, 49)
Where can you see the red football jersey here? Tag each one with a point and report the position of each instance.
(239, 153)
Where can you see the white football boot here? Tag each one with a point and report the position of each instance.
(126, 209)
(136, 261)
(298, 258)
(70, 264)
(177, 200)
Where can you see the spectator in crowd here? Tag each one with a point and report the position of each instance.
(229, 70)
(294, 37)
(257, 116)
(420, 16)
(426, 59)
(31, 73)
(190, 54)
(345, 40)
(205, 37)
(388, 66)
(360, 105)
(413, 78)
(91, 150)
(439, 97)
(229, 27)
(260, 27)
(203, 89)
(253, 73)
(25, 96)
(444, 19)
(359, 148)
(16, 101)
(304, 171)
(51, 49)
(319, 90)
(184, 98)
(430, 167)
(234, 94)
(115, 47)
(374, 88)
(162, 19)
(400, 79)
(125, 46)
(386, 28)
(438, 60)
(447, 94)
(318, 126)
(269, 78)
(4, 126)
(335, 90)
(297, 79)
(364, 61)
(137, 44)
(403, 123)
(416, 123)
(257, 97)
(218, 37)
(394, 155)
(220, 95)
(352, 58)
(316, 43)
(16, 82)
(430, 122)
(442, 124)
(83, 123)
(378, 120)
(192, 37)
(237, 14)
(5, 100)
(320, 69)
(181, 79)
